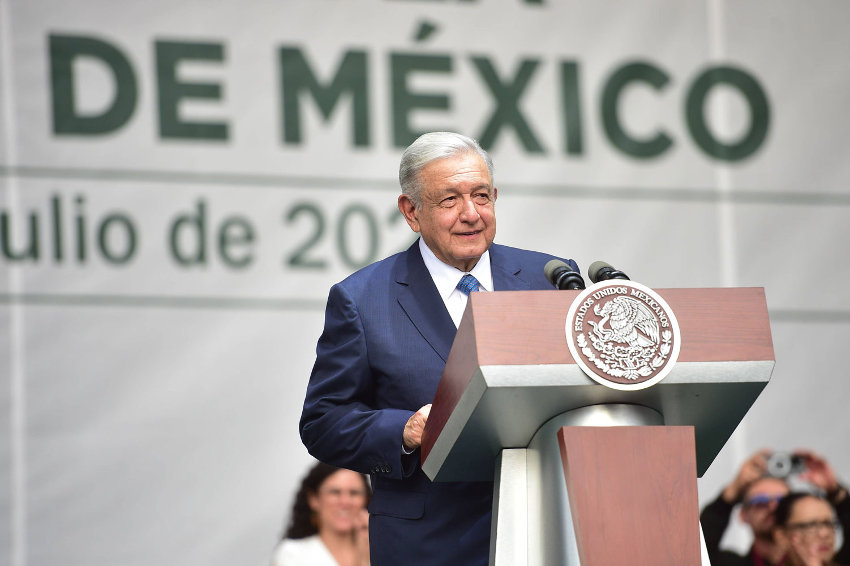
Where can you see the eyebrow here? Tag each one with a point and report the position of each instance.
(454, 190)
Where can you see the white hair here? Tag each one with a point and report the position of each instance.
(431, 147)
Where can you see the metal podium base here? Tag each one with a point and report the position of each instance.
(532, 523)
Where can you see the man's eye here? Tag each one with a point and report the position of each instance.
(481, 198)
(448, 202)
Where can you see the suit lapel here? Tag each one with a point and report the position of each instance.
(419, 298)
(507, 272)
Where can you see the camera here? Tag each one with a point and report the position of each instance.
(784, 464)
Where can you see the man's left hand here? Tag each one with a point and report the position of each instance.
(414, 428)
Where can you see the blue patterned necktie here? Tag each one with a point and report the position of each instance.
(467, 284)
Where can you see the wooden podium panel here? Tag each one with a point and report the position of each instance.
(633, 494)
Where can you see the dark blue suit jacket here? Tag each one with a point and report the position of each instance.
(385, 343)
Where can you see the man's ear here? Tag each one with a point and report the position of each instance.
(408, 209)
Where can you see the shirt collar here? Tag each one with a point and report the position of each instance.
(446, 277)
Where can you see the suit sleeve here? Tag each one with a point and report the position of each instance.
(339, 424)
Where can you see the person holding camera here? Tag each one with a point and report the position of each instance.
(758, 487)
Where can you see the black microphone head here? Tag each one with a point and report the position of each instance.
(601, 271)
(595, 268)
(562, 275)
(552, 265)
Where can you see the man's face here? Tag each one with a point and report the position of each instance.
(760, 504)
(457, 217)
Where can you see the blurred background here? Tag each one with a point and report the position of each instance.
(181, 182)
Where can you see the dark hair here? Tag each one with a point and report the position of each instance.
(786, 505)
(301, 522)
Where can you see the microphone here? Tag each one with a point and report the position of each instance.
(601, 271)
(562, 275)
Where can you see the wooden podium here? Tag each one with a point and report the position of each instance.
(586, 474)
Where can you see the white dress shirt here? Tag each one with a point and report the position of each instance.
(446, 279)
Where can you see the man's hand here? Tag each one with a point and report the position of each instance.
(412, 436)
(818, 471)
(751, 470)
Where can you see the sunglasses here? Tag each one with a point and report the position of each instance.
(762, 500)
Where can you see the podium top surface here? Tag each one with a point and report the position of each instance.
(510, 362)
(527, 327)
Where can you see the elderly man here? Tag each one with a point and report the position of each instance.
(388, 331)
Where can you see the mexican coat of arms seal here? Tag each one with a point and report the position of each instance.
(623, 334)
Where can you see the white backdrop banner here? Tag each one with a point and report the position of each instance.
(180, 184)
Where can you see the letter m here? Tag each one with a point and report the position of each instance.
(297, 77)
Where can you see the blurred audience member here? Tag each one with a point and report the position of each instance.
(805, 526)
(329, 522)
(758, 487)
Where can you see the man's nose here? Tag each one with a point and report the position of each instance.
(468, 213)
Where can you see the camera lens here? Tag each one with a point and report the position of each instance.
(779, 465)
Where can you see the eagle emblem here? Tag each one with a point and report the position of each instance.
(629, 321)
(623, 334)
